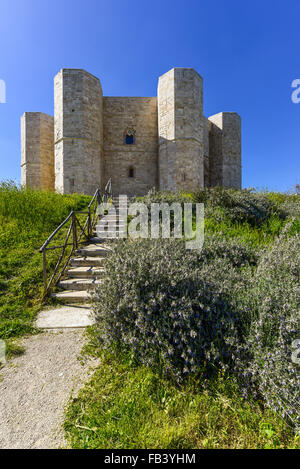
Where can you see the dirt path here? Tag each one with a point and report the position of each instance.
(35, 387)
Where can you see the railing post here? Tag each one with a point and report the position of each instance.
(89, 223)
(45, 271)
(98, 197)
(75, 243)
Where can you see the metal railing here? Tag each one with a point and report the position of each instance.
(78, 232)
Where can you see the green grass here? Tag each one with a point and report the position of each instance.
(27, 218)
(126, 406)
(257, 236)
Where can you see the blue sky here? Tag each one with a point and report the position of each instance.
(246, 51)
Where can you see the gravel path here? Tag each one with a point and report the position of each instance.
(35, 388)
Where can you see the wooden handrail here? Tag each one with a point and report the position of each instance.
(107, 188)
(94, 196)
(55, 232)
(77, 230)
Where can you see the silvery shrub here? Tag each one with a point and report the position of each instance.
(172, 307)
(264, 360)
(237, 206)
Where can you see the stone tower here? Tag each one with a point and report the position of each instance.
(37, 154)
(78, 131)
(138, 142)
(225, 150)
(180, 128)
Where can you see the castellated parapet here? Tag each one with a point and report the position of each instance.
(164, 142)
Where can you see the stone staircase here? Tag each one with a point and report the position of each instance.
(86, 269)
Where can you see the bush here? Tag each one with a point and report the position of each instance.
(234, 206)
(230, 250)
(227, 307)
(171, 306)
(155, 196)
(237, 206)
(264, 361)
(291, 207)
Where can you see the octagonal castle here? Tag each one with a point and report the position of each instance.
(140, 143)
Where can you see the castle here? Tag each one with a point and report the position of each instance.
(140, 143)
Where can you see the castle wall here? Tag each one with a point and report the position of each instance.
(140, 116)
(225, 150)
(78, 131)
(181, 130)
(37, 150)
(170, 144)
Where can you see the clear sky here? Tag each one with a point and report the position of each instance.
(246, 51)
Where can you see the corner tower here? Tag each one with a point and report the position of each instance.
(225, 150)
(37, 152)
(180, 128)
(78, 131)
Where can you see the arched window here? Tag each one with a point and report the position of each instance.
(129, 139)
(131, 172)
(130, 136)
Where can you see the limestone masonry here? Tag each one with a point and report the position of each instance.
(140, 143)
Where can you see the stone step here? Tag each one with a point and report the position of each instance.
(94, 250)
(111, 220)
(120, 202)
(102, 236)
(111, 225)
(64, 317)
(110, 216)
(117, 204)
(87, 261)
(72, 296)
(86, 272)
(115, 212)
(79, 283)
(100, 231)
(114, 216)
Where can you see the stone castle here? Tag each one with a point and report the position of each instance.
(140, 143)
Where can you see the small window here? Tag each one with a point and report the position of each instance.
(129, 139)
(129, 135)
(131, 172)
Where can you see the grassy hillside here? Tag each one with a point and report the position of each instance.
(27, 218)
(161, 383)
(133, 401)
